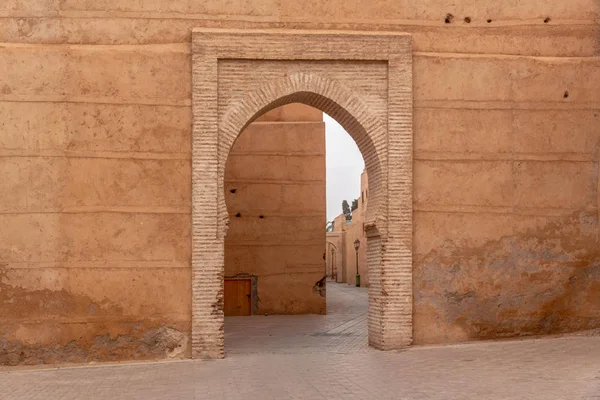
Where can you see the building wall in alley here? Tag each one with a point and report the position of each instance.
(275, 193)
(343, 236)
(95, 200)
(356, 231)
(334, 256)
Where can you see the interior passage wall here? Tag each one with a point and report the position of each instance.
(275, 194)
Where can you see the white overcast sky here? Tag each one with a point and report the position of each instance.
(344, 166)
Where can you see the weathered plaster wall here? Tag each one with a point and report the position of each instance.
(275, 193)
(507, 230)
(517, 27)
(346, 233)
(94, 152)
(95, 205)
(356, 231)
(335, 261)
(506, 189)
(339, 227)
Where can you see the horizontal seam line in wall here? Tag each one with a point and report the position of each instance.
(88, 267)
(533, 259)
(99, 261)
(316, 214)
(548, 158)
(116, 46)
(594, 107)
(293, 267)
(425, 155)
(174, 15)
(514, 207)
(418, 104)
(267, 244)
(277, 154)
(174, 47)
(147, 104)
(320, 123)
(101, 211)
(99, 268)
(124, 156)
(79, 262)
(67, 320)
(316, 271)
(503, 56)
(274, 181)
(97, 102)
(489, 212)
(496, 105)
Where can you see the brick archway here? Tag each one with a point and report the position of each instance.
(364, 81)
(327, 95)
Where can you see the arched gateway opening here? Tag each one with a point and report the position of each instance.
(361, 80)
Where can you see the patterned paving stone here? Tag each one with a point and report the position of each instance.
(342, 330)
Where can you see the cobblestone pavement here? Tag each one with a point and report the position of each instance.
(325, 357)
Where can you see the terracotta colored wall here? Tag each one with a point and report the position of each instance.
(506, 231)
(339, 228)
(94, 151)
(95, 204)
(356, 231)
(335, 261)
(346, 233)
(277, 170)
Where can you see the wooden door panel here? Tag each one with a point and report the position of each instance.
(238, 293)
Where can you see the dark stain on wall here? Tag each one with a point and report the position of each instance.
(141, 343)
(541, 282)
(320, 286)
(46, 326)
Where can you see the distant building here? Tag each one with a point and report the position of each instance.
(341, 262)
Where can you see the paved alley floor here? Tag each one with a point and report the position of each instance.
(342, 330)
(326, 357)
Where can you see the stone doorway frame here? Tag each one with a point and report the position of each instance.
(223, 104)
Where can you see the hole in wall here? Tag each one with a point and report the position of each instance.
(468, 20)
(449, 18)
(489, 21)
(238, 215)
(548, 19)
(566, 95)
(261, 216)
(233, 191)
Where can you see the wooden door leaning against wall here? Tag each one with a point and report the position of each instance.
(238, 297)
